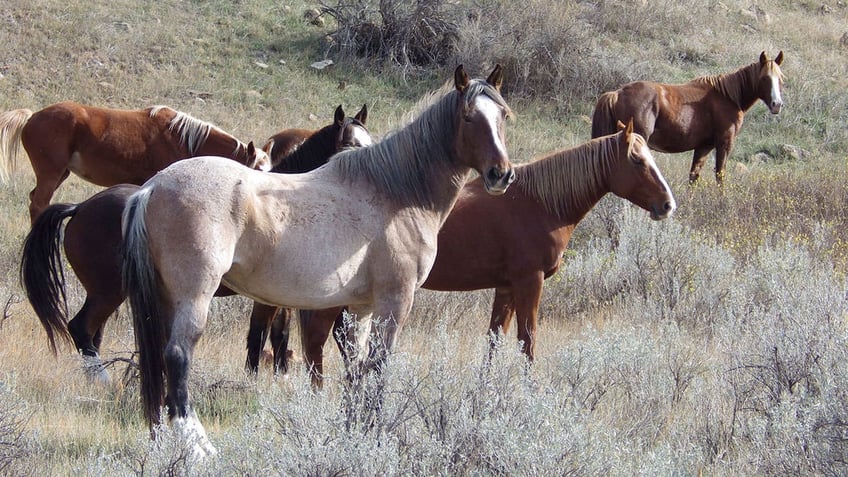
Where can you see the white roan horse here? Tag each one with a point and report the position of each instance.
(360, 231)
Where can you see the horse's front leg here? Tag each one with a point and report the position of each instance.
(389, 317)
(699, 157)
(280, 327)
(527, 294)
(503, 310)
(722, 153)
(260, 322)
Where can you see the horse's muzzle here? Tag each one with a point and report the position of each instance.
(775, 107)
(664, 211)
(497, 180)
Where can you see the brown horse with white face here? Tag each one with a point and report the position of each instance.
(514, 253)
(703, 114)
(109, 146)
(360, 231)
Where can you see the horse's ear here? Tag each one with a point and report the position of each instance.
(496, 77)
(619, 125)
(763, 58)
(628, 131)
(779, 59)
(251, 150)
(362, 115)
(339, 116)
(460, 79)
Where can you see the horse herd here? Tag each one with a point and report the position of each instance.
(184, 220)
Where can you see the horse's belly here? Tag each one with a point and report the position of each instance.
(303, 277)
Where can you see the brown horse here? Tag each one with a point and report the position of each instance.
(703, 114)
(515, 253)
(361, 230)
(92, 241)
(285, 142)
(109, 146)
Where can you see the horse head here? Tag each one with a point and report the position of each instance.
(480, 142)
(352, 131)
(257, 158)
(636, 176)
(770, 82)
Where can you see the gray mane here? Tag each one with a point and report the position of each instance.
(410, 163)
(571, 180)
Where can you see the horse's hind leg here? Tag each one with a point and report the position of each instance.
(86, 329)
(45, 186)
(699, 157)
(188, 325)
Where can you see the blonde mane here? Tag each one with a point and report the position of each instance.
(193, 132)
(411, 161)
(570, 180)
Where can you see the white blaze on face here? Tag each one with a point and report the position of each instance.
(362, 136)
(263, 161)
(492, 112)
(649, 158)
(776, 100)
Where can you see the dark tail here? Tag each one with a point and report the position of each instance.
(140, 284)
(42, 271)
(603, 119)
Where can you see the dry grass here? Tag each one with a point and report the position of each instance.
(713, 342)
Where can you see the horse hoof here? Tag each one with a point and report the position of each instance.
(95, 371)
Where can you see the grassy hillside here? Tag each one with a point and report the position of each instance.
(713, 342)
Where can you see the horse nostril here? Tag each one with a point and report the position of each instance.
(667, 206)
(494, 174)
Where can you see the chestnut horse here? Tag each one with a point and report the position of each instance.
(108, 146)
(703, 114)
(287, 141)
(523, 246)
(360, 230)
(92, 242)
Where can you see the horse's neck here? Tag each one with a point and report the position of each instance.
(313, 153)
(569, 183)
(219, 143)
(739, 86)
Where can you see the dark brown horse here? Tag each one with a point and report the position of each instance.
(92, 241)
(703, 114)
(285, 142)
(109, 146)
(535, 218)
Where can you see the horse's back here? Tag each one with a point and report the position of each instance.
(285, 142)
(259, 220)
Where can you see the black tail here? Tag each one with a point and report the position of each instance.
(42, 272)
(140, 284)
(603, 119)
